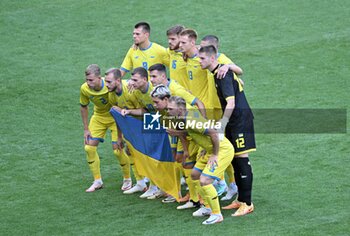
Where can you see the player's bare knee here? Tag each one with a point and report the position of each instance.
(188, 165)
(93, 142)
(204, 180)
(195, 174)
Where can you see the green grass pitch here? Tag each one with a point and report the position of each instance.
(295, 54)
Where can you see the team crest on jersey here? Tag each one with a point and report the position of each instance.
(212, 168)
(136, 57)
(152, 57)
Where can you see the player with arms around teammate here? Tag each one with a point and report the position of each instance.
(195, 82)
(157, 74)
(198, 83)
(227, 64)
(94, 90)
(238, 120)
(119, 94)
(144, 53)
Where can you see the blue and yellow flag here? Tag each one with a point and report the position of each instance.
(152, 153)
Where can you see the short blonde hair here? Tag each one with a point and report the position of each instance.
(93, 69)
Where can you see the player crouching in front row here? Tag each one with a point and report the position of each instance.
(218, 155)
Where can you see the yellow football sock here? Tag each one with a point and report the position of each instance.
(230, 174)
(94, 161)
(178, 171)
(212, 197)
(203, 195)
(124, 162)
(134, 170)
(192, 185)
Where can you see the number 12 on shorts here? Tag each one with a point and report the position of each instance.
(240, 142)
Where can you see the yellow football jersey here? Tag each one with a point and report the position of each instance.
(177, 68)
(98, 98)
(199, 83)
(144, 57)
(145, 99)
(124, 99)
(202, 82)
(177, 90)
(223, 59)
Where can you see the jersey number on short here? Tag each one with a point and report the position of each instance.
(240, 143)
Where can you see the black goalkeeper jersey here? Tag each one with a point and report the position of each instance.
(229, 87)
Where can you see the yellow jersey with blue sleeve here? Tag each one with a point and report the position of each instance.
(145, 58)
(124, 99)
(101, 120)
(177, 67)
(177, 90)
(98, 98)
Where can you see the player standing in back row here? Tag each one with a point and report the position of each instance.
(238, 120)
(144, 53)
